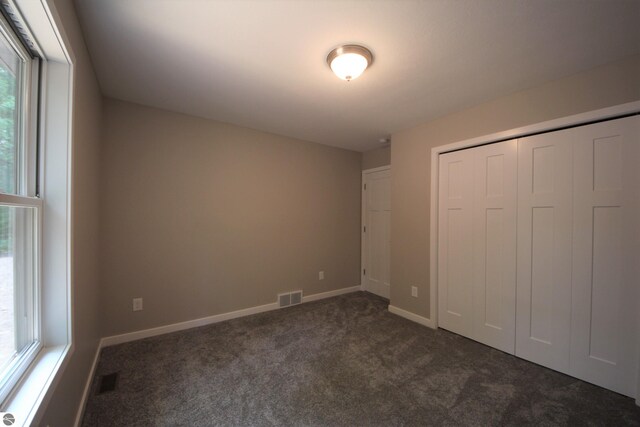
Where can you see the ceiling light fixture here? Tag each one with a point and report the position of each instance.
(349, 61)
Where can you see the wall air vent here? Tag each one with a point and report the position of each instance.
(284, 300)
(296, 297)
(289, 298)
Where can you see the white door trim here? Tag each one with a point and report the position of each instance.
(363, 220)
(575, 120)
(378, 169)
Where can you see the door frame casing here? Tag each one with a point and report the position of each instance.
(363, 219)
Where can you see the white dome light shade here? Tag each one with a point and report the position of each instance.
(349, 66)
(349, 61)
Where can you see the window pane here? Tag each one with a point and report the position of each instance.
(19, 211)
(16, 282)
(11, 67)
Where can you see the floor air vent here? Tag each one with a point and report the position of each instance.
(290, 298)
(108, 383)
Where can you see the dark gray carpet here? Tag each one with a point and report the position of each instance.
(343, 361)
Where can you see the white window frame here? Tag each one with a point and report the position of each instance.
(43, 26)
(26, 138)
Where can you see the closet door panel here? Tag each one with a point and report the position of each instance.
(544, 250)
(455, 249)
(494, 237)
(605, 254)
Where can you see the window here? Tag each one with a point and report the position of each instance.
(20, 210)
(36, 104)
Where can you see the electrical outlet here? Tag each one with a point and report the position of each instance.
(321, 275)
(137, 304)
(414, 291)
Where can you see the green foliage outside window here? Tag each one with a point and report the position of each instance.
(7, 153)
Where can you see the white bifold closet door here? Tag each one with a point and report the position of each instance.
(544, 249)
(606, 254)
(539, 249)
(579, 250)
(455, 249)
(477, 237)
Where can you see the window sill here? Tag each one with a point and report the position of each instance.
(32, 391)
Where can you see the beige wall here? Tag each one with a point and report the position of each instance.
(376, 158)
(201, 217)
(605, 86)
(87, 114)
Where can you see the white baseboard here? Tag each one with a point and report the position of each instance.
(330, 294)
(160, 330)
(166, 329)
(87, 386)
(413, 317)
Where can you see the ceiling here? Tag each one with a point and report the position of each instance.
(262, 63)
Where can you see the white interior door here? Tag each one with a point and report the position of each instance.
(494, 244)
(606, 254)
(544, 249)
(376, 259)
(455, 248)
